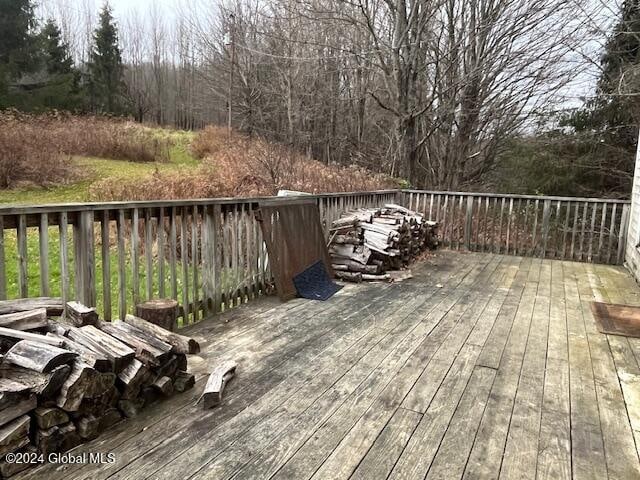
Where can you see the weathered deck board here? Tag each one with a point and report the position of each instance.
(481, 366)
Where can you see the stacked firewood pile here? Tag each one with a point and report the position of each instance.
(66, 378)
(373, 243)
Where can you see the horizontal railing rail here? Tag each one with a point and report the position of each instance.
(208, 254)
(571, 228)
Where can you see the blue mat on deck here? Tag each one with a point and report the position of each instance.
(314, 283)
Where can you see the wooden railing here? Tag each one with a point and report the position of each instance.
(581, 229)
(207, 254)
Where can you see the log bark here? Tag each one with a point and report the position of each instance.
(44, 385)
(117, 352)
(14, 435)
(164, 385)
(180, 343)
(88, 427)
(183, 381)
(68, 437)
(54, 306)
(38, 356)
(350, 276)
(47, 417)
(29, 320)
(216, 383)
(79, 382)
(94, 359)
(17, 408)
(80, 315)
(161, 312)
(145, 352)
(33, 337)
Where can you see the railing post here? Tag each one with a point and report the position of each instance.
(468, 223)
(546, 213)
(84, 259)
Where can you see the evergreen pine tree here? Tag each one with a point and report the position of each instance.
(18, 46)
(62, 89)
(106, 86)
(56, 52)
(615, 112)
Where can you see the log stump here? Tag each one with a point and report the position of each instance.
(162, 312)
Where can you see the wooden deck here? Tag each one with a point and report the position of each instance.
(480, 367)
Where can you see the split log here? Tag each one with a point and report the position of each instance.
(68, 437)
(161, 312)
(170, 368)
(79, 382)
(346, 240)
(164, 385)
(54, 306)
(180, 343)
(376, 278)
(349, 276)
(218, 379)
(97, 360)
(147, 338)
(14, 435)
(360, 254)
(80, 315)
(29, 320)
(17, 407)
(131, 377)
(44, 385)
(117, 352)
(146, 353)
(88, 427)
(33, 337)
(183, 381)
(355, 266)
(101, 384)
(48, 441)
(49, 417)
(38, 356)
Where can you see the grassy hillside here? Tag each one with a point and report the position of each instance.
(52, 159)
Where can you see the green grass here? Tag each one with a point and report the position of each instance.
(55, 282)
(97, 169)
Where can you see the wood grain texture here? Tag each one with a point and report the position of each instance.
(503, 364)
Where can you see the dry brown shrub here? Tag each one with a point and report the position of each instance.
(243, 167)
(36, 149)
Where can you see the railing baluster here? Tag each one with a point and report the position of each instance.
(603, 222)
(534, 232)
(468, 223)
(612, 230)
(194, 262)
(23, 280)
(574, 230)
(122, 273)
(148, 252)
(565, 230)
(583, 232)
(161, 241)
(592, 231)
(173, 252)
(500, 225)
(43, 241)
(3, 265)
(135, 257)
(444, 221)
(546, 216)
(184, 258)
(509, 220)
(106, 265)
(64, 258)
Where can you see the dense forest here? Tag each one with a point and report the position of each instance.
(451, 94)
